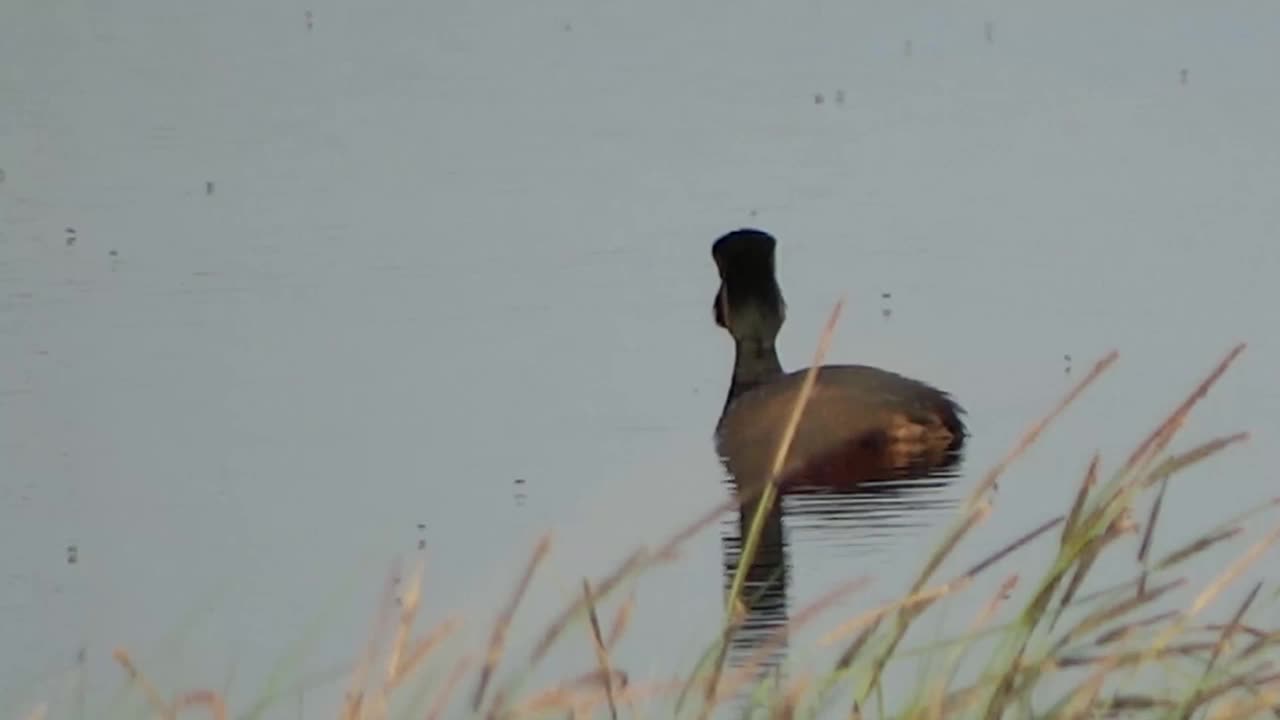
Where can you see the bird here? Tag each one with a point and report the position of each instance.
(860, 424)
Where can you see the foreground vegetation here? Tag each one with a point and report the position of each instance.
(1048, 649)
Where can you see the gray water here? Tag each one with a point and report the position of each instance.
(279, 303)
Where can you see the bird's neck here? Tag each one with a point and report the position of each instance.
(755, 362)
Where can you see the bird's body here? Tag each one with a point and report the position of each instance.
(860, 423)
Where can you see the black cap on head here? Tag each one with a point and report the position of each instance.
(744, 259)
(746, 245)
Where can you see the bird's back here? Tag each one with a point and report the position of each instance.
(858, 420)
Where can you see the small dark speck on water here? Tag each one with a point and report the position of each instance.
(886, 311)
(1067, 360)
(73, 554)
(840, 97)
(818, 99)
(71, 236)
(567, 27)
(114, 253)
(1183, 75)
(208, 187)
(310, 19)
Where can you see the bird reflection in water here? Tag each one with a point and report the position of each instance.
(863, 516)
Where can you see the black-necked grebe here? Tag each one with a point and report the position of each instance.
(861, 423)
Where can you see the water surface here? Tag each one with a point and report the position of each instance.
(279, 302)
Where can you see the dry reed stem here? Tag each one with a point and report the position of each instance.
(851, 652)
(451, 683)
(1259, 644)
(1203, 696)
(602, 655)
(352, 707)
(634, 561)
(497, 639)
(790, 700)
(1011, 547)
(721, 647)
(583, 693)
(1197, 546)
(1073, 521)
(1229, 629)
(1121, 494)
(1090, 479)
(597, 680)
(1267, 697)
(964, 698)
(1237, 628)
(1122, 703)
(1107, 591)
(1102, 616)
(980, 622)
(976, 515)
(1165, 431)
(678, 538)
(637, 561)
(550, 700)
(1089, 552)
(969, 575)
(1265, 688)
(621, 621)
(1086, 693)
(906, 615)
(1149, 532)
(914, 599)
(204, 698)
(408, 611)
(423, 647)
(1232, 572)
(1033, 613)
(1127, 630)
(162, 708)
(993, 605)
(1200, 452)
(1133, 658)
